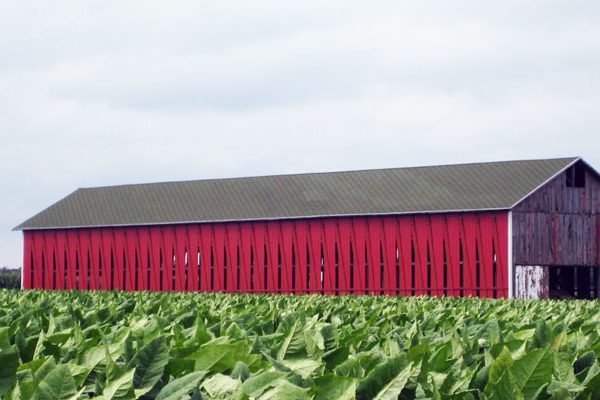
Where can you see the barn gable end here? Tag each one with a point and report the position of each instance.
(556, 230)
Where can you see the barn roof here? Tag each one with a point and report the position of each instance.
(464, 187)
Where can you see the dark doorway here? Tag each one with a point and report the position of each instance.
(574, 282)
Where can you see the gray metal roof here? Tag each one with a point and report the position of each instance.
(464, 187)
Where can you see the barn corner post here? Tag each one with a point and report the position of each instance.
(510, 263)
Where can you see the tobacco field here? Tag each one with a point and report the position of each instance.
(114, 345)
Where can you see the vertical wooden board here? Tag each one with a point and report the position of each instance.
(50, 259)
(219, 257)
(84, 258)
(301, 234)
(37, 246)
(260, 233)
(453, 232)
(421, 241)
(486, 257)
(157, 258)
(329, 262)
(72, 259)
(405, 229)
(360, 232)
(61, 259)
(246, 257)
(181, 257)
(120, 252)
(374, 250)
(144, 266)
(193, 281)
(470, 243)
(206, 257)
(27, 260)
(273, 239)
(95, 250)
(131, 272)
(287, 267)
(502, 257)
(168, 240)
(345, 237)
(390, 233)
(107, 235)
(233, 267)
(315, 232)
(438, 242)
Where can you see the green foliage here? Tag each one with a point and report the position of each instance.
(10, 279)
(114, 345)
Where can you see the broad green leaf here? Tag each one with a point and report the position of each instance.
(256, 385)
(393, 388)
(119, 386)
(304, 367)
(532, 371)
(9, 362)
(220, 385)
(378, 381)
(335, 387)
(149, 363)
(181, 387)
(285, 390)
(57, 385)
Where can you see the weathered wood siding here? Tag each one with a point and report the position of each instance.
(559, 225)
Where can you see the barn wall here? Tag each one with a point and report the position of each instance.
(454, 255)
(559, 225)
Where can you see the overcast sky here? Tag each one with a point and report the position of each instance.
(97, 93)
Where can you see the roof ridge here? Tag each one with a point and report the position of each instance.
(326, 172)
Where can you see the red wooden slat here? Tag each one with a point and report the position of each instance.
(84, 258)
(27, 261)
(72, 259)
(233, 268)
(405, 225)
(329, 264)
(360, 261)
(107, 236)
(120, 254)
(206, 258)
(143, 258)
(219, 257)
(37, 247)
(61, 259)
(131, 272)
(421, 245)
(287, 268)
(502, 256)
(486, 258)
(315, 281)
(302, 260)
(260, 233)
(193, 283)
(246, 257)
(345, 234)
(438, 241)
(390, 232)
(168, 271)
(273, 257)
(95, 250)
(181, 258)
(50, 259)
(156, 259)
(453, 229)
(470, 243)
(374, 246)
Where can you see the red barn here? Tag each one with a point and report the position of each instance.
(499, 229)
